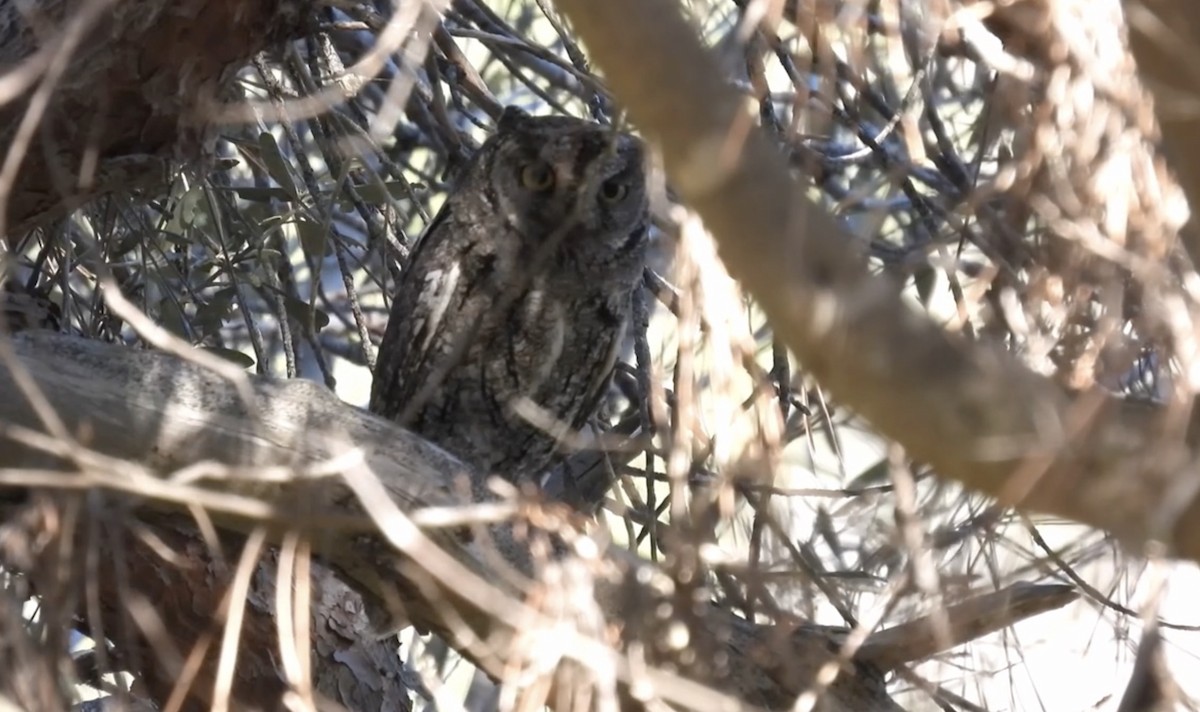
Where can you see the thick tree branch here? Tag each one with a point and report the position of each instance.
(1163, 35)
(175, 435)
(971, 411)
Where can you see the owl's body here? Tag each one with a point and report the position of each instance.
(511, 311)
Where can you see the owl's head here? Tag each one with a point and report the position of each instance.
(574, 190)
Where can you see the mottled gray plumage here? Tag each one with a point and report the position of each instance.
(519, 291)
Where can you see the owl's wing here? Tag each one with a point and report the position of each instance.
(609, 345)
(426, 322)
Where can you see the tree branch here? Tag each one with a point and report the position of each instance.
(1163, 35)
(970, 410)
(176, 435)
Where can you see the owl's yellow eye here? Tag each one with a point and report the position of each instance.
(613, 191)
(537, 177)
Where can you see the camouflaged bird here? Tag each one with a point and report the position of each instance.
(509, 316)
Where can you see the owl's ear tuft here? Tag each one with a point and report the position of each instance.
(511, 117)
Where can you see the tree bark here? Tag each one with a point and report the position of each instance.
(1163, 35)
(297, 459)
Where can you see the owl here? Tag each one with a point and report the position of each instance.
(509, 316)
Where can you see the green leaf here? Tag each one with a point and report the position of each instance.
(924, 280)
(873, 476)
(212, 315)
(277, 166)
(172, 318)
(267, 256)
(232, 355)
(314, 237)
(193, 208)
(377, 192)
(262, 195)
(300, 311)
(173, 238)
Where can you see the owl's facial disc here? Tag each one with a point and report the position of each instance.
(592, 180)
(576, 191)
